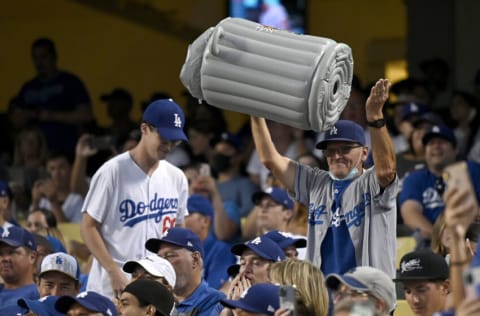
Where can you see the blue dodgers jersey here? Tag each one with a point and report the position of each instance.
(420, 186)
(337, 250)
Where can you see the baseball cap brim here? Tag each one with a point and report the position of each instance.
(130, 266)
(172, 134)
(297, 242)
(60, 271)
(334, 280)
(417, 278)
(258, 196)
(11, 242)
(34, 306)
(238, 249)
(233, 270)
(154, 244)
(239, 304)
(323, 144)
(64, 303)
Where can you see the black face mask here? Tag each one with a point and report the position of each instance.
(220, 163)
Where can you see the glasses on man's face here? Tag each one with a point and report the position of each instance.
(349, 293)
(341, 150)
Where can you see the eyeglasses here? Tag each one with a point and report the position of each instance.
(341, 150)
(338, 295)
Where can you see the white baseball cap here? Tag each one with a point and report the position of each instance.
(156, 266)
(60, 262)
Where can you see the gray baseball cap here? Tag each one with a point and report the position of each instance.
(368, 280)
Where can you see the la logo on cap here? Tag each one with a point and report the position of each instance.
(436, 129)
(256, 241)
(177, 121)
(82, 295)
(5, 233)
(333, 131)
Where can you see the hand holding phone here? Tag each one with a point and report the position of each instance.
(101, 142)
(461, 207)
(287, 297)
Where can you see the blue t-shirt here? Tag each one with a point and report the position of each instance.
(204, 299)
(337, 250)
(10, 296)
(217, 259)
(421, 186)
(239, 190)
(61, 93)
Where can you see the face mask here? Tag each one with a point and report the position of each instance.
(352, 174)
(220, 162)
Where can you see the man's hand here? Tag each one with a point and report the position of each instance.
(238, 286)
(83, 149)
(118, 280)
(377, 98)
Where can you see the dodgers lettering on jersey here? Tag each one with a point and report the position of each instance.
(134, 212)
(354, 216)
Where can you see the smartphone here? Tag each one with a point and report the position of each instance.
(456, 175)
(287, 297)
(101, 142)
(204, 169)
(471, 282)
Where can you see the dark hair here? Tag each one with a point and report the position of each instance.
(58, 155)
(49, 216)
(46, 43)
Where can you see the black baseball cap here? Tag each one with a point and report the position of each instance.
(422, 265)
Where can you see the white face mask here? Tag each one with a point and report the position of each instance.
(352, 174)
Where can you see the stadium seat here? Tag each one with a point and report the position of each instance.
(403, 309)
(71, 231)
(404, 246)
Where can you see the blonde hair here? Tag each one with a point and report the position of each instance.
(437, 232)
(309, 282)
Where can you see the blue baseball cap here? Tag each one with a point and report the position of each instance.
(263, 246)
(412, 109)
(278, 195)
(284, 239)
(168, 119)
(56, 244)
(178, 236)
(229, 138)
(439, 131)
(90, 300)
(5, 189)
(197, 203)
(343, 131)
(44, 306)
(261, 298)
(17, 237)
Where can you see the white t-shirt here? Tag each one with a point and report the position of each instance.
(131, 208)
